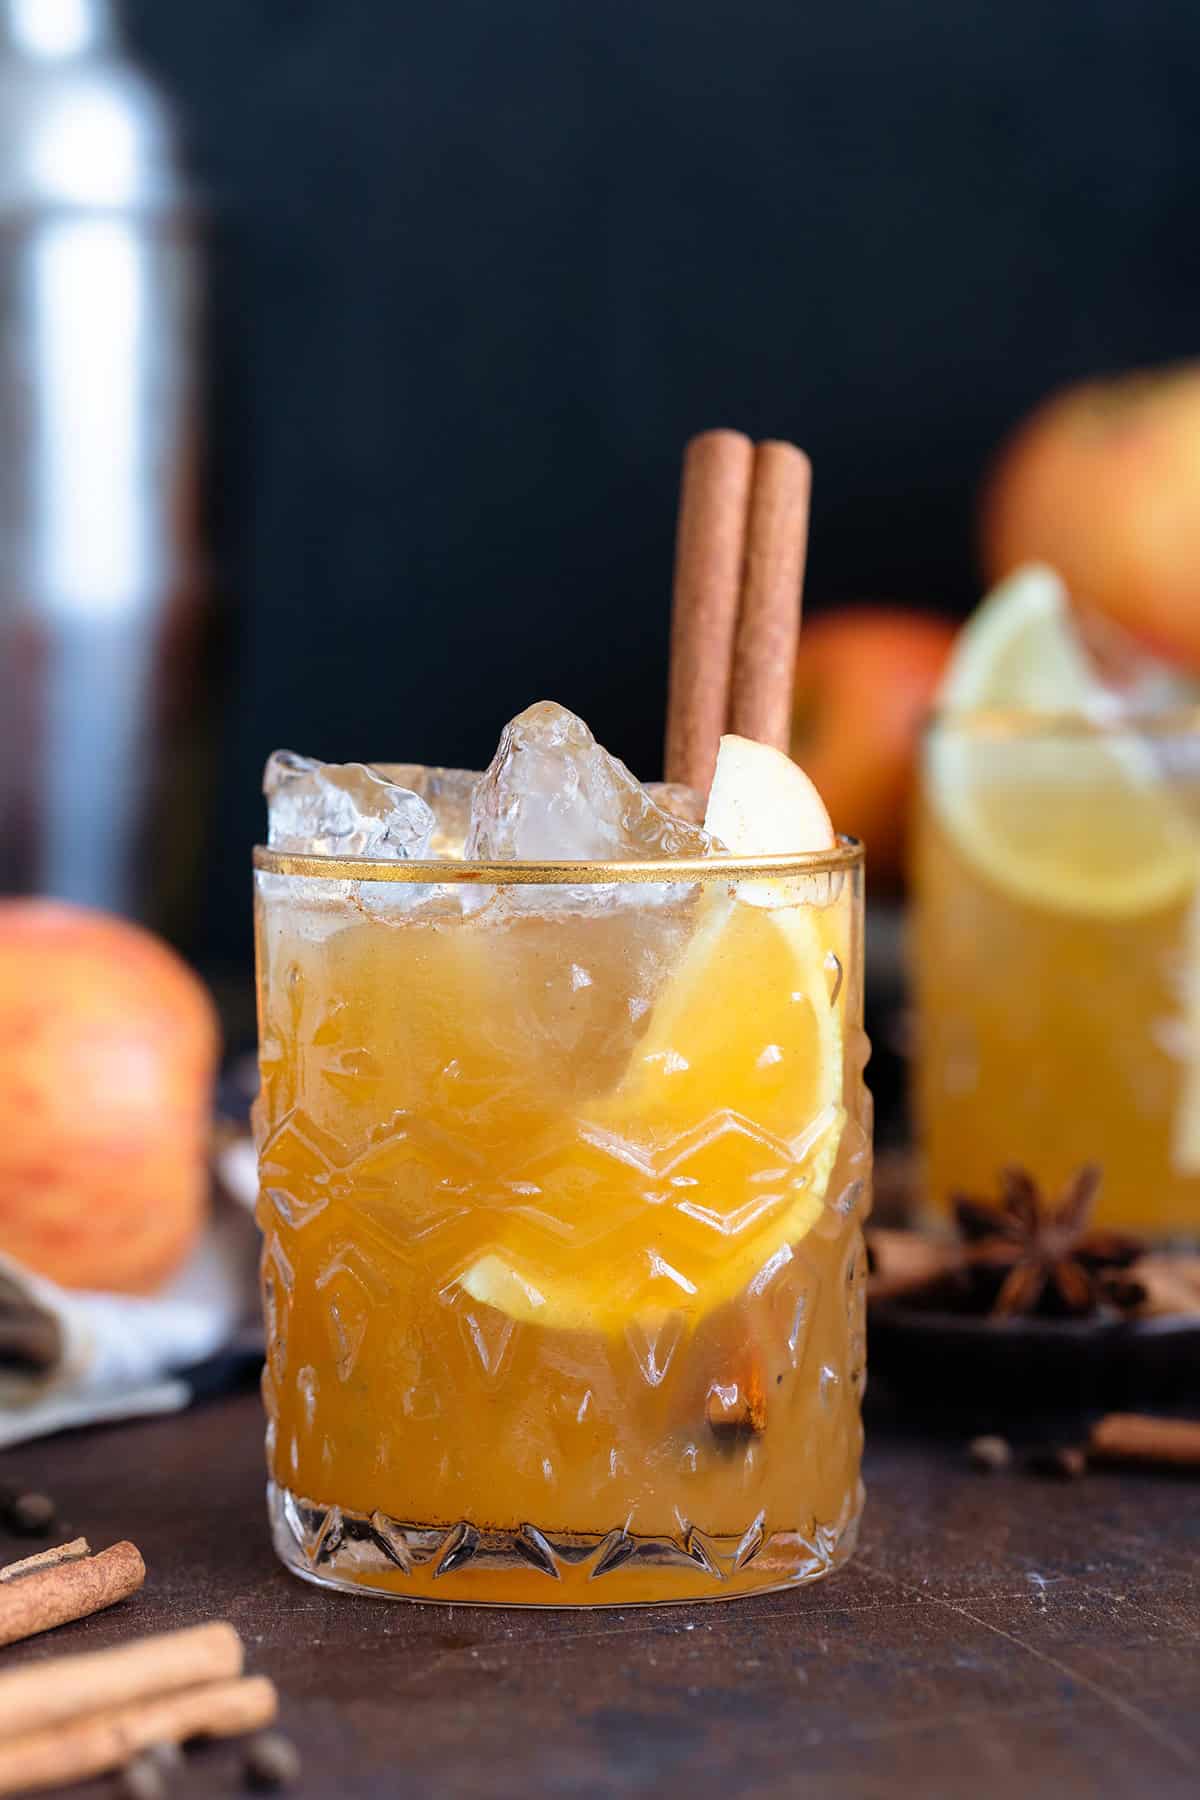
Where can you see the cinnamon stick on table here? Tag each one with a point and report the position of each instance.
(47, 1693)
(714, 499)
(46, 1559)
(108, 1740)
(1141, 1438)
(768, 627)
(68, 1590)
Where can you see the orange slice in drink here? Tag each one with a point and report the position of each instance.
(1074, 816)
(711, 1155)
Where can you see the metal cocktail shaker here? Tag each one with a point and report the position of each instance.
(99, 554)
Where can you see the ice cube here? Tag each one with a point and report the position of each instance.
(552, 793)
(449, 792)
(681, 801)
(342, 809)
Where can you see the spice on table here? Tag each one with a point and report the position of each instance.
(99, 1742)
(46, 1559)
(1017, 1254)
(272, 1761)
(989, 1453)
(931, 1274)
(1067, 1463)
(1141, 1438)
(127, 1709)
(69, 1590)
(1039, 1255)
(42, 1694)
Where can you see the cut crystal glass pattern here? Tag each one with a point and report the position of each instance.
(397, 1249)
(354, 1550)
(539, 1330)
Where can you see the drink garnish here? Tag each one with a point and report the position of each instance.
(739, 567)
(743, 1046)
(1054, 792)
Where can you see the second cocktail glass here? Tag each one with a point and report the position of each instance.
(1057, 956)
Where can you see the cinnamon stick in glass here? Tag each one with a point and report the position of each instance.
(108, 1740)
(768, 626)
(710, 544)
(69, 1590)
(738, 1406)
(47, 1693)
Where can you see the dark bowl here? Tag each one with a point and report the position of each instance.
(942, 1363)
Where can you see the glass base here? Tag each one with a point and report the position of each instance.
(466, 1564)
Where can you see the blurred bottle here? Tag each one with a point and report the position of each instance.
(100, 570)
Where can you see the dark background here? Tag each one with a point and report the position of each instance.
(479, 270)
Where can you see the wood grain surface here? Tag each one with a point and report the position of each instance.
(995, 1635)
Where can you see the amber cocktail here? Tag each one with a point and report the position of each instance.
(1057, 953)
(563, 1173)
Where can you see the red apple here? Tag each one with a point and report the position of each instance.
(1103, 482)
(108, 1046)
(865, 679)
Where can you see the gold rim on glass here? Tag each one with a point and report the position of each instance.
(682, 869)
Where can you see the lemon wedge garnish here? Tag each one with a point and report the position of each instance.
(711, 1154)
(1078, 819)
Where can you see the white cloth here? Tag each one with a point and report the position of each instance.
(118, 1354)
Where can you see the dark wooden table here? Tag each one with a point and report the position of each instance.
(996, 1636)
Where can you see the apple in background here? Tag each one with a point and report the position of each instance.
(865, 681)
(1103, 483)
(108, 1049)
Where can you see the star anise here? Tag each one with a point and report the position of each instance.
(1023, 1254)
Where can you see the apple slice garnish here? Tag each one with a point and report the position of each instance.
(762, 804)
